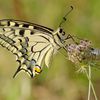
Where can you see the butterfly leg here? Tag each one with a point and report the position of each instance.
(69, 36)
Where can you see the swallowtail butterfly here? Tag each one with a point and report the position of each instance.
(32, 44)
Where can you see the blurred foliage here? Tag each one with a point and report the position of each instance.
(60, 81)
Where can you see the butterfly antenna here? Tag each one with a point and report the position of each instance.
(64, 18)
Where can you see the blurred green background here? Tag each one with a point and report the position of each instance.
(60, 81)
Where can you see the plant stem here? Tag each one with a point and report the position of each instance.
(89, 89)
(91, 85)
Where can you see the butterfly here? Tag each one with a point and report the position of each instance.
(33, 44)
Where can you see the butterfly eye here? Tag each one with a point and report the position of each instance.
(60, 30)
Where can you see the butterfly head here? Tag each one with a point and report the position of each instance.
(62, 34)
